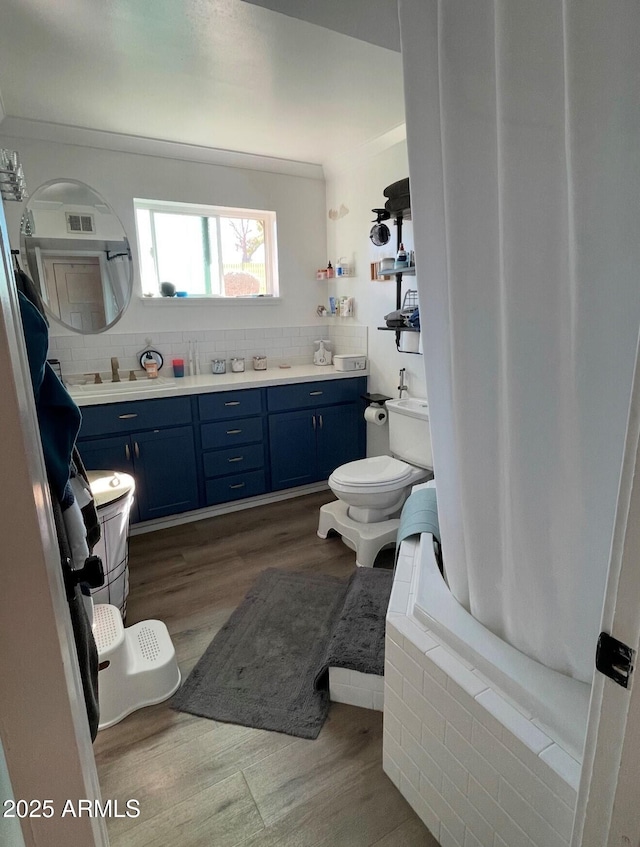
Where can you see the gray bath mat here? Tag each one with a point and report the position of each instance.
(260, 668)
(357, 639)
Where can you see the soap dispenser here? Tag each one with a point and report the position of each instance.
(322, 355)
(150, 365)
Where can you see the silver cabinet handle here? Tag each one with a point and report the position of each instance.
(234, 431)
(127, 452)
(238, 485)
(128, 417)
(233, 403)
(136, 449)
(314, 421)
(236, 459)
(315, 393)
(320, 416)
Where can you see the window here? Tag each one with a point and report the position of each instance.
(206, 251)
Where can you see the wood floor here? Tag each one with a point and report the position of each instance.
(202, 783)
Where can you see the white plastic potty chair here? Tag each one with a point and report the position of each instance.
(137, 665)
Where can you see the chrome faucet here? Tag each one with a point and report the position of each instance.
(115, 376)
(403, 385)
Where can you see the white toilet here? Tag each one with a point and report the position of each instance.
(372, 491)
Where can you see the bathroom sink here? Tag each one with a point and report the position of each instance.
(121, 387)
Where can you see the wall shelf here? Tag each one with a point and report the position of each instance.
(379, 275)
(398, 329)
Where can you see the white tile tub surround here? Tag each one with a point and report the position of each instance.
(294, 345)
(354, 688)
(476, 769)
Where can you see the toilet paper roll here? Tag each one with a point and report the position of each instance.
(375, 415)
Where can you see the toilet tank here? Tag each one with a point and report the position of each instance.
(409, 436)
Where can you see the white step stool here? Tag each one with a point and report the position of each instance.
(137, 665)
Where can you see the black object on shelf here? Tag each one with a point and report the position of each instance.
(375, 398)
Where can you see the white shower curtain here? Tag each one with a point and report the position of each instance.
(523, 128)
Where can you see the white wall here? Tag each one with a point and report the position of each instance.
(359, 189)
(299, 203)
(307, 238)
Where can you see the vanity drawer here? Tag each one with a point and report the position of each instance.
(235, 487)
(229, 404)
(135, 415)
(234, 460)
(281, 398)
(231, 433)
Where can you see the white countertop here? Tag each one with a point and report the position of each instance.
(95, 395)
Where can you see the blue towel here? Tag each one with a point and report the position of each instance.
(419, 514)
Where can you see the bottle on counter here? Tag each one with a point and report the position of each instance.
(150, 365)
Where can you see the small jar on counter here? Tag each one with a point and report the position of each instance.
(237, 365)
(218, 366)
(259, 363)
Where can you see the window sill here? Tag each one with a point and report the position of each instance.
(217, 301)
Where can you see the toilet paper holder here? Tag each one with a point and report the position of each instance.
(375, 399)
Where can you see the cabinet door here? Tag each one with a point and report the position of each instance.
(292, 439)
(338, 436)
(165, 471)
(107, 454)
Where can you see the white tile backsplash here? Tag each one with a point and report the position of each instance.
(81, 354)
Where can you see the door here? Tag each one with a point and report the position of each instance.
(608, 812)
(292, 442)
(43, 729)
(74, 289)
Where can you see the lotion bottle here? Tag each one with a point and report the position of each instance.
(150, 366)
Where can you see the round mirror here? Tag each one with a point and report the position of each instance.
(77, 254)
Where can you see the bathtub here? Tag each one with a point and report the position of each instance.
(477, 736)
(557, 703)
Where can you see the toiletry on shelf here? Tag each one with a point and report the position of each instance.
(321, 273)
(342, 268)
(402, 258)
(330, 271)
(346, 307)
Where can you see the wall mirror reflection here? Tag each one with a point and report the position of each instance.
(77, 254)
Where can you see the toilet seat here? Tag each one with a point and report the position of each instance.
(380, 473)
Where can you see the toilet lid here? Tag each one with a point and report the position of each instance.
(374, 471)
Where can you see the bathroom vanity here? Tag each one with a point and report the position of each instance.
(207, 441)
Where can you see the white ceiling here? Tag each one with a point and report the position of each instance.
(217, 73)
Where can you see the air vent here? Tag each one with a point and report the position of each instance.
(79, 223)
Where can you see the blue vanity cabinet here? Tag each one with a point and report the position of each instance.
(161, 458)
(233, 445)
(306, 444)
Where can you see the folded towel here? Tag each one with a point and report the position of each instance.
(419, 514)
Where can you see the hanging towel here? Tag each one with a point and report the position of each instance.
(58, 416)
(419, 514)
